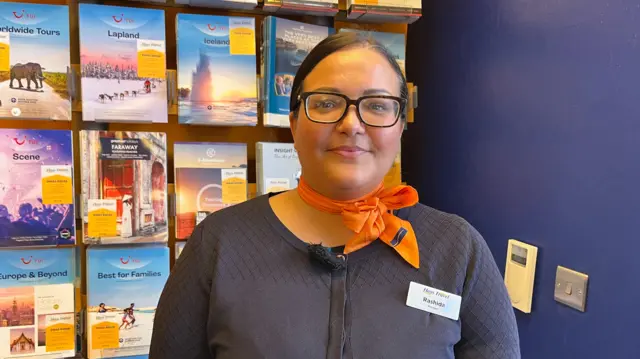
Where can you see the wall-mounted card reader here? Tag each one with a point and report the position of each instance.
(519, 273)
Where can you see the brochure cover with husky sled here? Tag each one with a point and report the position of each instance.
(123, 64)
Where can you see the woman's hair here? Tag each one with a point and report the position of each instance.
(342, 41)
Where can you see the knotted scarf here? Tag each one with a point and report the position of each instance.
(370, 217)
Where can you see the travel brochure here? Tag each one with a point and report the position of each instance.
(123, 289)
(286, 44)
(37, 312)
(208, 177)
(278, 167)
(123, 64)
(36, 188)
(34, 61)
(124, 187)
(216, 70)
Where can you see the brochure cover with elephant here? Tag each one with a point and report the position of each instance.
(216, 70)
(37, 318)
(36, 188)
(123, 288)
(208, 177)
(123, 64)
(34, 61)
(124, 187)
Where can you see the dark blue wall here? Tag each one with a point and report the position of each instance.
(529, 127)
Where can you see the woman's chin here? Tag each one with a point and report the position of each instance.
(351, 179)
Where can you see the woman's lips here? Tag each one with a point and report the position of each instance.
(348, 151)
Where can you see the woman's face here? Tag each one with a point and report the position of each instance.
(347, 159)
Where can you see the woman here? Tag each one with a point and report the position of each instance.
(126, 228)
(252, 281)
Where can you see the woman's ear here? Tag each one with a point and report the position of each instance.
(292, 123)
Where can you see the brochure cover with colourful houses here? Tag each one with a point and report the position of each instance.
(286, 44)
(124, 187)
(36, 188)
(123, 64)
(34, 61)
(123, 289)
(208, 177)
(37, 316)
(278, 167)
(216, 58)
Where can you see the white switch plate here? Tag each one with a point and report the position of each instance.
(571, 288)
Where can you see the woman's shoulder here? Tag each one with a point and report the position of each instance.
(243, 220)
(247, 213)
(446, 231)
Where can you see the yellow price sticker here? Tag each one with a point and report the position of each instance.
(5, 51)
(277, 184)
(152, 61)
(57, 185)
(105, 335)
(61, 335)
(242, 36)
(234, 185)
(102, 221)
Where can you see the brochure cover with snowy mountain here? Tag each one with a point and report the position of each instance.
(208, 177)
(216, 70)
(37, 316)
(286, 45)
(124, 186)
(36, 188)
(123, 64)
(123, 289)
(395, 43)
(34, 61)
(277, 167)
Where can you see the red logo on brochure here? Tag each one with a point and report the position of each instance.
(213, 28)
(128, 260)
(30, 259)
(121, 18)
(22, 14)
(24, 140)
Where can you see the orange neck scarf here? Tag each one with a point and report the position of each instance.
(371, 217)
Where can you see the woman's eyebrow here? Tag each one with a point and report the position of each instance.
(366, 92)
(376, 92)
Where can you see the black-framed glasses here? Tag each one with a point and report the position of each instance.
(372, 110)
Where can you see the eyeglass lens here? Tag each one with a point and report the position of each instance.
(374, 111)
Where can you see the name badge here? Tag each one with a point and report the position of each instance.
(434, 301)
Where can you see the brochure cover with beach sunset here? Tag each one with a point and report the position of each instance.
(34, 61)
(36, 188)
(208, 177)
(216, 70)
(123, 64)
(37, 303)
(123, 289)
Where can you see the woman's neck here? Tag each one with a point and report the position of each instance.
(341, 193)
(307, 223)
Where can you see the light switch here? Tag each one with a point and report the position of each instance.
(571, 288)
(567, 289)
